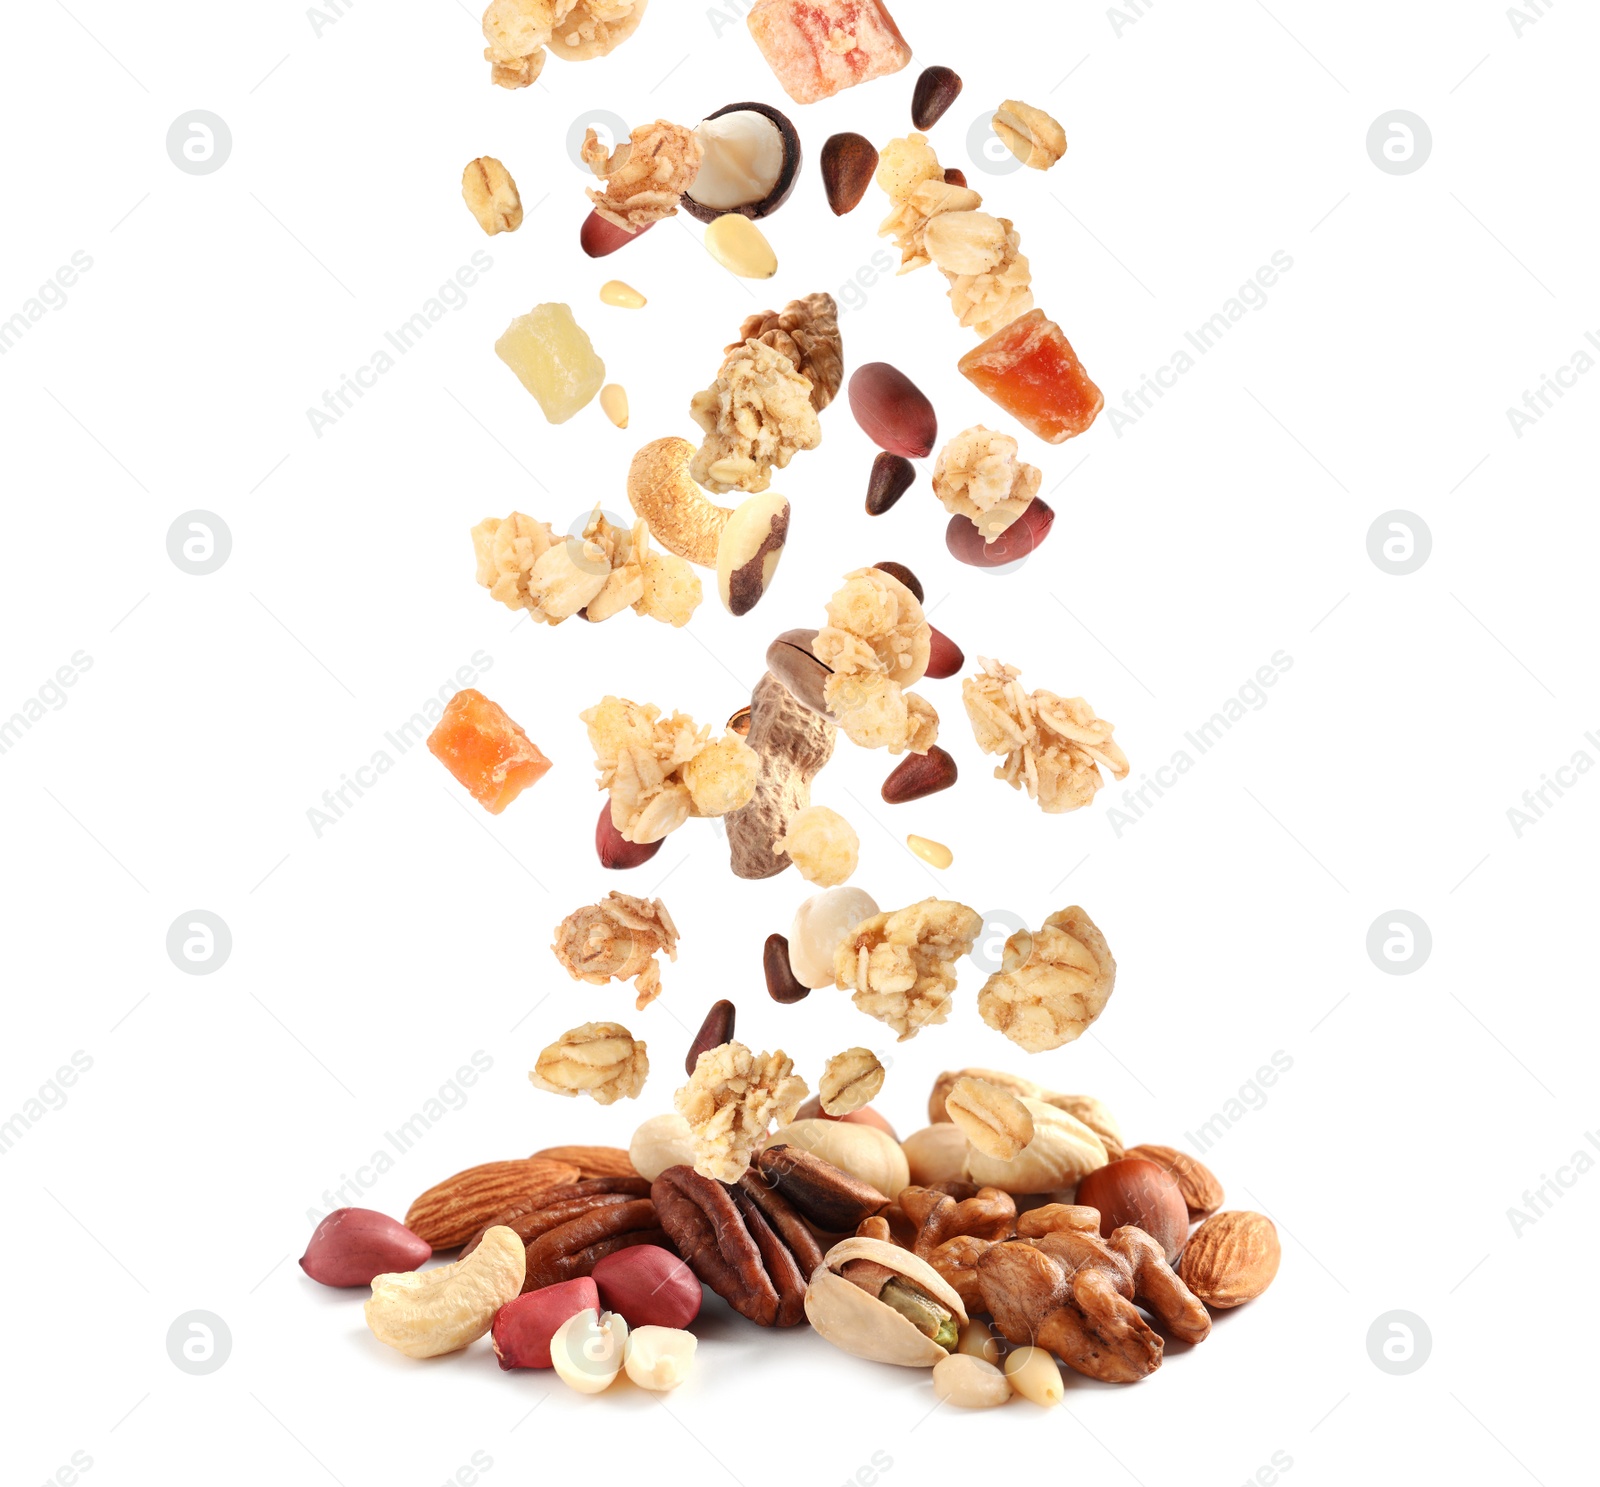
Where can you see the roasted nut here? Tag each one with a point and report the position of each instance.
(600, 1059)
(617, 940)
(821, 925)
(900, 966)
(904, 574)
(1202, 1193)
(730, 1100)
(877, 1301)
(451, 1212)
(945, 657)
(936, 90)
(807, 332)
(864, 1152)
(919, 775)
(792, 744)
(826, 1196)
(850, 1080)
(491, 195)
(429, 1312)
(892, 410)
(821, 844)
(648, 1286)
(1052, 984)
(966, 543)
(524, 1326)
(970, 1382)
(994, 1121)
(892, 476)
(714, 1031)
(848, 164)
(662, 1141)
(682, 517)
(748, 551)
(1231, 1258)
(936, 1154)
(746, 1242)
(587, 1350)
(1030, 134)
(352, 1245)
(737, 244)
(600, 238)
(1062, 1152)
(615, 851)
(750, 161)
(1035, 1375)
(593, 1161)
(1140, 1194)
(791, 659)
(659, 1358)
(782, 985)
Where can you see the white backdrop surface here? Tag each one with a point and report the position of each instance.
(203, 1122)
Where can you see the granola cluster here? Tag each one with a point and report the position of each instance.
(807, 332)
(730, 1102)
(518, 31)
(525, 565)
(1054, 746)
(1051, 984)
(821, 844)
(660, 771)
(602, 1060)
(645, 175)
(979, 476)
(901, 966)
(756, 415)
(876, 644)
(617, 940)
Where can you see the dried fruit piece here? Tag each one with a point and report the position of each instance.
(600, 238)
(850, 1080)
(716, 1030)
(750, 161)
(821, 844)
(491, 195)
(749, 549)
(553, 359)
(992, 1119)
(587, 1350)
(901, 966)
(645, 175)
(623, 296)
(614, 404)
(737, 244)
(892, 410)
(935, 854)
(848, 164)
(486, 751)
(1054, 746)
(782, 984)
(756, 415)
(730, 1101)
(807, 332)
(793, 743)
(352, 1245)
(1035, 138)
(979, 476)
(1202, 1193)
(1052, 984)
(821, 925)
(617, 940)
(426, 1313)
(600, 1059)
(1030, 369)
(966, 545)
(815, 48)
(936, 90)
(919, 775)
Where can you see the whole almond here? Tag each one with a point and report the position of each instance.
(451, 1212)
(1231, 1258)
(592, 1161)
(918, 775)
(849, 162)
(1200, 1188)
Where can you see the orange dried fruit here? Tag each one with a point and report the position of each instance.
(487, 752)
(1030, 369)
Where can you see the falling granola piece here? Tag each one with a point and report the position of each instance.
(602, 1060)
(1054, 746)
(491, 195)
(756, 415)
(876, 645)
(910, 174)
(617, 940)
(1030, 369)
(1051, 984)
(518, 32)
(730, 1102)
(1032, 135)
(979, 476)
(850, 1080)
(901, 966)
(989, 299)
(487, 752)
(645, 175)
(807, 332)
(592, 28)
(821, 844)
(815, 48)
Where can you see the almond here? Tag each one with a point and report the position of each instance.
(1231, 1258)
(1200, 1188)
(451, 1212)
(591, 1161)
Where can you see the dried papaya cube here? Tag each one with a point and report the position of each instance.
(1030, 369)
(486, 751)
(815, 48)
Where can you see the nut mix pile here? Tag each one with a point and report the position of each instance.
(1014, 1231)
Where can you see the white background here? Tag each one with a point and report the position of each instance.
(1226, 524)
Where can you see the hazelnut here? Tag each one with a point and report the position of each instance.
(1141, 1194)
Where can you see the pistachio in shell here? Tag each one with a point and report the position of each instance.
(857, 1322)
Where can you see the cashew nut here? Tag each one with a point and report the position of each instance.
(424, 1313)
(682, 517)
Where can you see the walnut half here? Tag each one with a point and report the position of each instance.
(807, 332)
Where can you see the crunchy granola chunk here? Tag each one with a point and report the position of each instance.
(988, 300)
(593, 28)
(822, 844)
(600, 1059)
(910, 173)
(850, 1080)
(645, 175)
(979, 476)
(876, 644)
(669, 590)
(756, 415)
(901, 966)
(518, 32)
(807, 332)
(1054, 747)
(1051, 984)
(905, 164)
(730, 1102)
(617, 940)
(644, 762)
